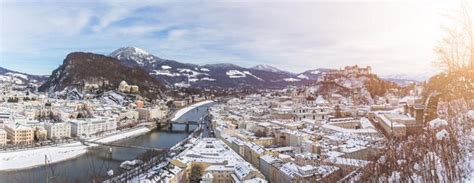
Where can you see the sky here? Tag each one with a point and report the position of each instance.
(394, 37)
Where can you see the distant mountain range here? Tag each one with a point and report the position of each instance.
(413, 77)
(137, 66)
(406, 79)
(177, 74)
(401, 82)
(19, 78)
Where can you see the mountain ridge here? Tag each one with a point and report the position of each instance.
(82, 70)
(218, 75)
(214, 76)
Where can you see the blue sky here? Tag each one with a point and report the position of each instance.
(392, 37)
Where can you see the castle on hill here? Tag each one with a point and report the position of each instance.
(353, 70)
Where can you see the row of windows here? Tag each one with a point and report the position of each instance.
(23, 135)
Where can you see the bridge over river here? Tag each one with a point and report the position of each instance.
(94, 165)
(85, 142)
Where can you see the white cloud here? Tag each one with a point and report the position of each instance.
(390, 36)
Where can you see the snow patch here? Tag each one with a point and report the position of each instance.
(165, 67)
(10, 79)
(164, 73)
(291, 80)
(250, 74)
(190, 72)
(207, 79)
(302, 76)
(264, 67)
(470, 115)
(110, 172)
(321, 100)
(22, 76)
(182, 85)
(442, 134)
(193, 79)
(235, 74)
(365, 123)
(140, 51)
(401, 162)
(132, 163)
(438, 123)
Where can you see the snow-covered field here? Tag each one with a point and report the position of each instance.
(186, 109)
(235, 74)
(36, 157)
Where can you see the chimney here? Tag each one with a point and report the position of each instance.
(419, 111)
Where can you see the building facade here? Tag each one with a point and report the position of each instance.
(58, 130)
(20, 134)
(3, 137)
(88, 127)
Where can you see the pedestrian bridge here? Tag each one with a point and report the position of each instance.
(172, 124)
(87, 143)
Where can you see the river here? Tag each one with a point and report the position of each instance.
(97, 161)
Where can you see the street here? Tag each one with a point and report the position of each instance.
(207, 131)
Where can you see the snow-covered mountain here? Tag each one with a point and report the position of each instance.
(224, 75)
(9, 76)
(133, 56)
(269, 68)
(88, 70)
(265, 67)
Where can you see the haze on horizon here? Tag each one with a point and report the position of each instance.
(392, 37)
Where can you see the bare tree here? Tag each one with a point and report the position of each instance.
(455, 50)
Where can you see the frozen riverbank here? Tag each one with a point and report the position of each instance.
(183, 111)
(53, 154)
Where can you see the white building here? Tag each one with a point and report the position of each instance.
(88, 127)
(3, 137)
(152, 113)
(126, 88)
(58, 130)
(5, 117)
(312, 113)
(222, 163)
